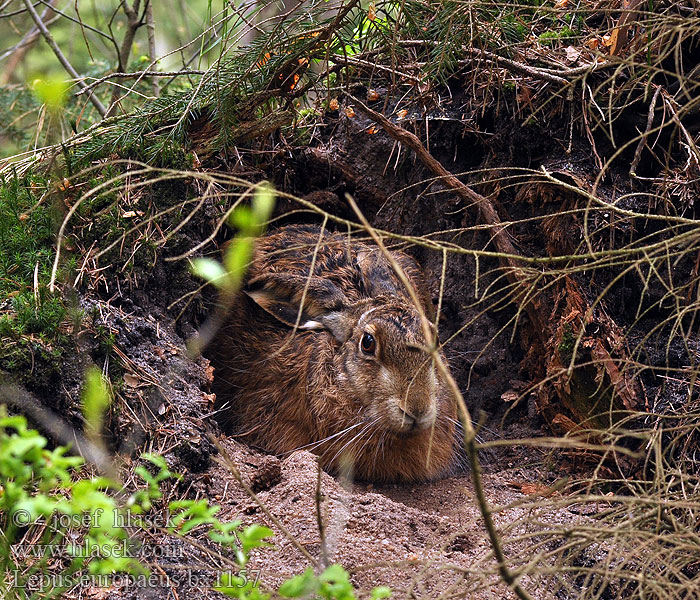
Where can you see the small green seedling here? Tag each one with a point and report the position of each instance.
(250, 222)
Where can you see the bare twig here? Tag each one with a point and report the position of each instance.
(151, 30)
(17, 52)
(133, 24)
(645, 135)
(137, 75)
(61, 57)
(27, 404)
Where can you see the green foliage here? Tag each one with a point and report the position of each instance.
(551, 38)
(250, 222)
(239, 586)
(42, 501)
(141, 500)
(95, 401)
(190, 514)
(51, 91)
(18, 107)
(333, 584)
(187, 515)
(27, 229)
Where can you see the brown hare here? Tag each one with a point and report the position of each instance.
(352, 382)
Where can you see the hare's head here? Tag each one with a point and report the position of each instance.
(383, 366)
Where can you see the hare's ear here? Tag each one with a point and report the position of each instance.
(337, 322)
(281, 294)
(281, 308)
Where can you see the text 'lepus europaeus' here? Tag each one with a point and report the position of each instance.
(353, 383)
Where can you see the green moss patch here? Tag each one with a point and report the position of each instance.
(28, 223)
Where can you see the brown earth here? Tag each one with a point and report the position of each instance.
(423, 541)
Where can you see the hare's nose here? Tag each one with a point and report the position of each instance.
(409, 419)
(417, 418)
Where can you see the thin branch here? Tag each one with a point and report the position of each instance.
(151, 30)
(137, 75)
(645, 135)
(17, 52)
(133, 23)
(470, 434)
(61, 57)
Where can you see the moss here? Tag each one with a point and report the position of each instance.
(28, 223)
(566, 346)
(29, 361)
(552, 38)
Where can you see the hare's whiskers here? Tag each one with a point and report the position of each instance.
(359, 448)
(368, 427)
(314, 445)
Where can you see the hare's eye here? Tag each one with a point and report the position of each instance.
(368, 344)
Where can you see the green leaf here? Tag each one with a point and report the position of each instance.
(52, 92)
(334, 573)
(188, 514)
(242, 218)
(95, 400)
(211, 271)
(299, 586)
(380, 592)
(263, 204)
(226, 533)
(239, 586)
(336, 584)
(237, 257)
(253, 536)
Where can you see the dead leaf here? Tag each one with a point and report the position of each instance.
(402, 114)
(372, 130)
(131, 380)
(620, 35)
(564, 423)
(572, 54)
(510, 396)
(524, 95)
(371, 11)
(349, 112)
(623, 384)
(333, 104)
(372, 95)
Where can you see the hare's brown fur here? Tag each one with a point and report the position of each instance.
(385, 415)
